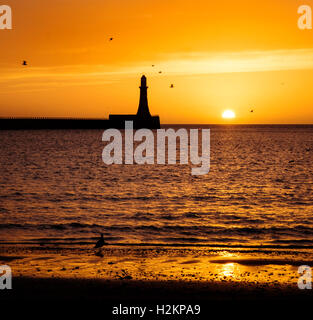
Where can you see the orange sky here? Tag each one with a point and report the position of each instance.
(237, 55)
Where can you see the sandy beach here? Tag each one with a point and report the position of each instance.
(139, 275)
(264, 266)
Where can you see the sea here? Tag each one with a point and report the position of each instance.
(55, 188)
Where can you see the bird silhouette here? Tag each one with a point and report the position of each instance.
(100, 243)
(252, 111)
(160, 71)
(172, 86)
(111, 39)
(24, 63)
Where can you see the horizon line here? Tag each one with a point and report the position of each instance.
(175, 124)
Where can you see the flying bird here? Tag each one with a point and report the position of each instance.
(24, 63)
(111, 39)
(252, 111)
(100, 243)
(160, 71)
(172, 86)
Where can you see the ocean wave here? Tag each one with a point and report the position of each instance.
(166, 229)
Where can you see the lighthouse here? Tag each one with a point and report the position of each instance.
(143, 109)
(143, 117)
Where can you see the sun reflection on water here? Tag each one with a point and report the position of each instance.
(227, 269)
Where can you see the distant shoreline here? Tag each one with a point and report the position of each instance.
(47, 123)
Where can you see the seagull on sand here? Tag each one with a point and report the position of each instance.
(100, 243)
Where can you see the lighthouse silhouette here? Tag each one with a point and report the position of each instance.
(143, 118)
(143, 108)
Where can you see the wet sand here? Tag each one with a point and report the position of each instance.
(252, 266)
(210, 277)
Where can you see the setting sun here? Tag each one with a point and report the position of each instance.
(228, 114)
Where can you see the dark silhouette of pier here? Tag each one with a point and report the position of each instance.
(142, 119)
